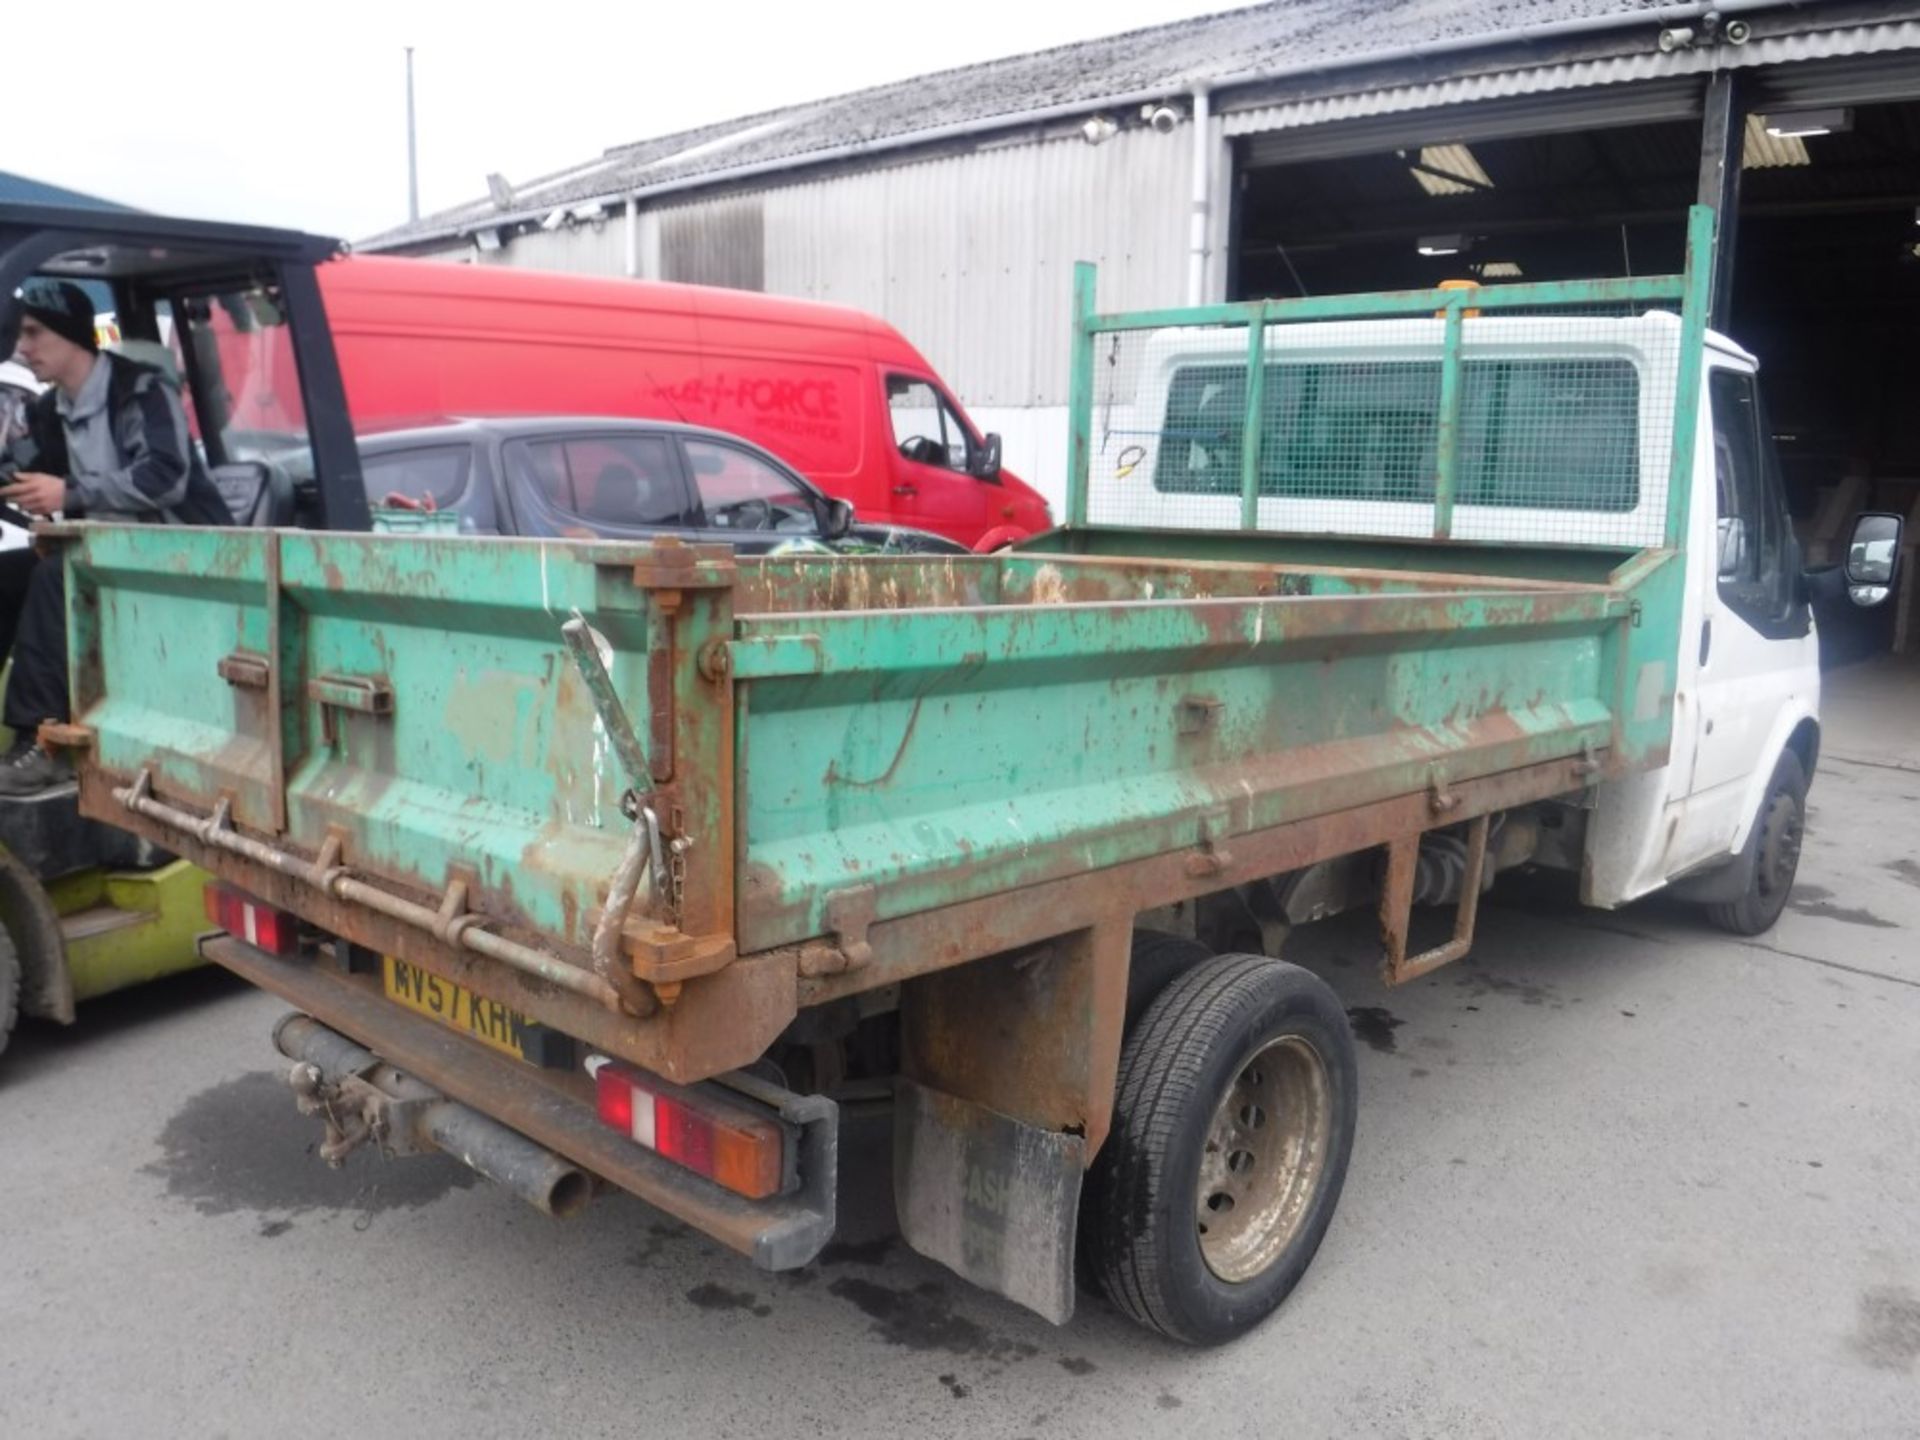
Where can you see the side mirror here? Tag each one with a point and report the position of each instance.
(839, 520)
(986, 464)
(1732, 536)
(1873, 558)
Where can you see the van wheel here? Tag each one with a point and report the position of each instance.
(9, 988)
(1775, 846)
(1233, 1123)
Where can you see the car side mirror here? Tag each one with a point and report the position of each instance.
(1873, 558)
(839, 520)
(1732, 536)
(986, 464)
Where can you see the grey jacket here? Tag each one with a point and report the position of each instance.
(122, 446)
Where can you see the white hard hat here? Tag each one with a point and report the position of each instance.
(13, 373)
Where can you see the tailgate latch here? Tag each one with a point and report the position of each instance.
(849, 914)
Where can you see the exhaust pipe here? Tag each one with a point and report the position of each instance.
(361, 1097)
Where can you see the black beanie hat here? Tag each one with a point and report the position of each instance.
(63, 307)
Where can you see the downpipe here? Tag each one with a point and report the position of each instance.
(359, 1097)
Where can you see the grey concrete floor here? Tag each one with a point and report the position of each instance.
(1616, 1175)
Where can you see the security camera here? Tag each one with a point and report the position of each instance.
(1098, 129)
(1737, 32)
(1676, 37)
(555, 219)
(1165, 119)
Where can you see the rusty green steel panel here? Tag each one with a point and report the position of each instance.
(1104, 710)
(167, 615)
(945, 756)
(490, 758)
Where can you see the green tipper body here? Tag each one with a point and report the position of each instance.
(837, 741)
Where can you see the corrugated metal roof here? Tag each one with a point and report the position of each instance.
(1233, 47)
(1638, 68)
(23, 190)
(1322, 43)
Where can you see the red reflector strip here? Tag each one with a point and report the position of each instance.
(730, 1144)
(245, 918)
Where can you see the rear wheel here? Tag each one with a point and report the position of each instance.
(1775, 843)
(1157, 959)
(1233, 1123)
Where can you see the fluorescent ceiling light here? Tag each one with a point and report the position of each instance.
(1809, 122)
(1763, 150)
(1500, 270)
(1447, 170)
(1444, 244)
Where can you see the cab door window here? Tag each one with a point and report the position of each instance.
(1755, 556)
(739, 491)
(925, 426)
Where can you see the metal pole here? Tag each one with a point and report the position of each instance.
(413, 159)
(1080, 395)
(1693, 335)
(1200, 221)
(1446, 448)
(1252, 426)
(1722, 146)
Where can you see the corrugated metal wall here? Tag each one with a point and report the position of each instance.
(970, 256)
(715, 242)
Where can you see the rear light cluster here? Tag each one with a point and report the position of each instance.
(729, 1144)
(245, 918)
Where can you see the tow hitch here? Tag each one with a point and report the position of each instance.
(359, 1098)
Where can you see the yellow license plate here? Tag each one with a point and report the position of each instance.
(458, 1008)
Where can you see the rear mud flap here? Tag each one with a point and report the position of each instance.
(992, 1199)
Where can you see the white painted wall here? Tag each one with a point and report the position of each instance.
(1035, 447)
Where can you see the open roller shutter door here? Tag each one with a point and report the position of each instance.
(1286, 134)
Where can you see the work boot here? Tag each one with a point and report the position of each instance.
(27, 770)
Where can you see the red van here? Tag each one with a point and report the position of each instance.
(839, 395)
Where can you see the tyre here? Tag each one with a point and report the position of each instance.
(1774, 846)
(1157, 958)
(9, 988)
(1233, 1123)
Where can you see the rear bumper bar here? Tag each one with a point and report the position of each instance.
(557, 1111)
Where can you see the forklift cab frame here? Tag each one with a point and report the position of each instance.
(84, 908)
(185, 270)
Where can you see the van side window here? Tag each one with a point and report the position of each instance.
(1754, 547)
(924, 425)
(617, 480)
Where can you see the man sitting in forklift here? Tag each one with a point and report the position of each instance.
(107, 440)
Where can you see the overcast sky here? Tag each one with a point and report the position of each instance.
(296, 114)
